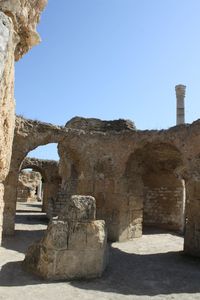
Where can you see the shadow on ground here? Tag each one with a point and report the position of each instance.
(150, 275)
(34, 206)
(128, 274)
(149, 230)
(22, 240)
(32, 219)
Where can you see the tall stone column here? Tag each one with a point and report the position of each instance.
(180, 105)
(39, 190)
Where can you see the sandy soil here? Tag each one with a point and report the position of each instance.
(152, 267)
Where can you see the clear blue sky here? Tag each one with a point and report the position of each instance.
(112, 59)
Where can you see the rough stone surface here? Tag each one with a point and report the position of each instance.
(74, 246)
(28, 136)
(51, 180)
(25, 15)
(18, 20)
(7, 119)
(7, 105)
(27, 186)
(159, 201)
(112, 166)
(80, 208)
(93, 124)
(121, 169)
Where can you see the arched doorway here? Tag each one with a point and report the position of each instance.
(155, 189)
(38, 181)
(10, 196)
(164, 190)
(30, 189)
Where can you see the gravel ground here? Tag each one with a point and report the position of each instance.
(152, 267)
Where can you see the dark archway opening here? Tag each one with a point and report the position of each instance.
(164, 188)
(155, 184)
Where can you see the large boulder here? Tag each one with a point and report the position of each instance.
(74, 245)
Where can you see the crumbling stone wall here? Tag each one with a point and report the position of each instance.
(192, 233)
(28, 136)
(163, 190)
(93, 164)
(110, 164)
(18, 20)
(97, 157)
(114, 162)
(28, 184)
(164, 203)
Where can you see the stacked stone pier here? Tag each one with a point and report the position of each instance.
(74, 245)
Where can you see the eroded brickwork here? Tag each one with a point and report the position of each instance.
(122, 168)
(163, 207)
(164, 201)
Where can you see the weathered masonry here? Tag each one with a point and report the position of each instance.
(74, 245)
(29, 187)
(28, 136)
(51, 180)
(137, 177)
(18, 21)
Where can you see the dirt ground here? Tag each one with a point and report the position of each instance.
(152, 267)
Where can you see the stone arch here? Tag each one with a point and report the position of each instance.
(36, 169)
(28, 136)
(150, 176)
(49, 169)
(96, 165)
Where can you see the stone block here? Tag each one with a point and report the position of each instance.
(82, 208)
(74, 245)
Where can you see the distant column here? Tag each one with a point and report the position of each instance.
(180, 104)
(39, 190)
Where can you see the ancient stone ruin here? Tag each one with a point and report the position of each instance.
(138, 178)
(29, 187)
(18, 20)
(74, 245)
(51, 181)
